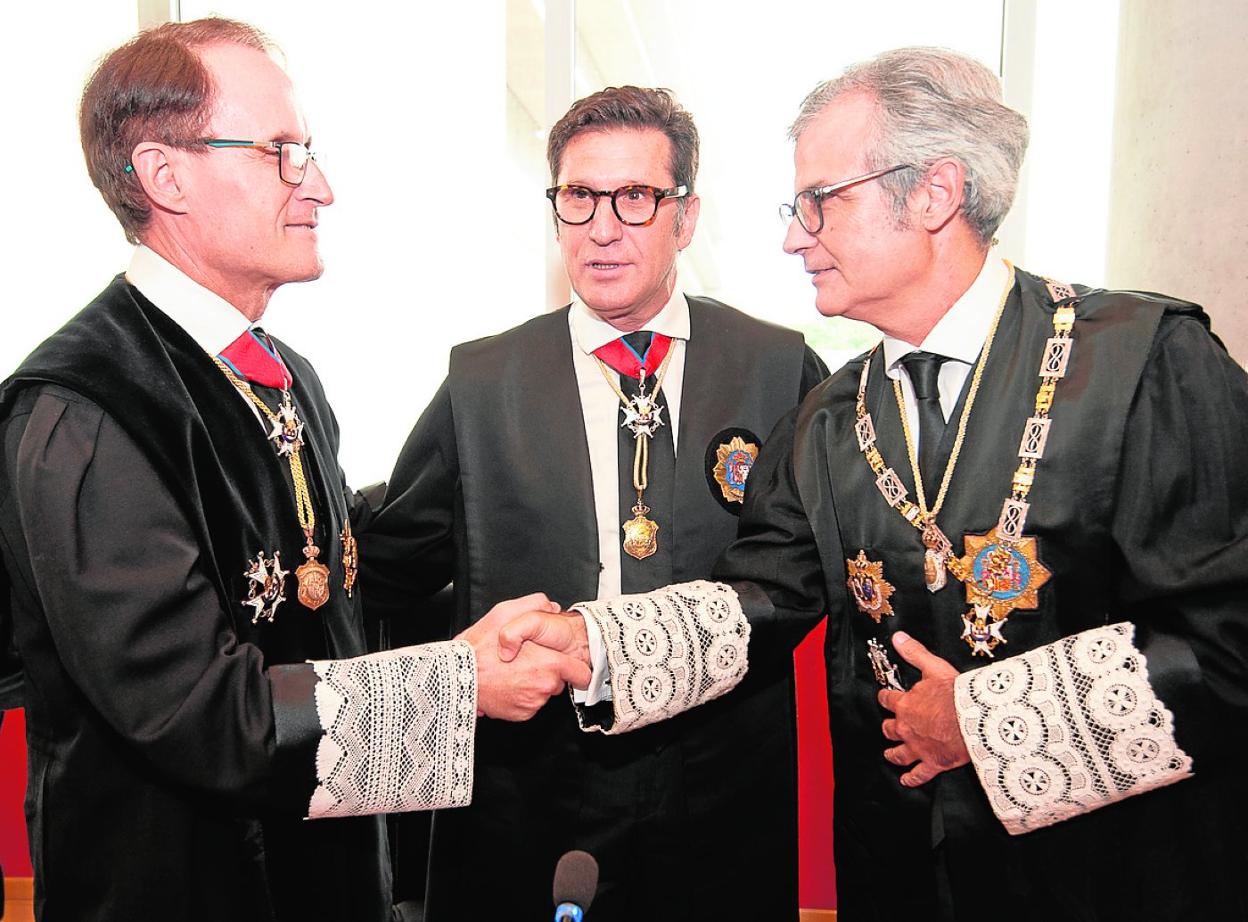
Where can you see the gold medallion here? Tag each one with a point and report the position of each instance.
(313, 579)
(350, 558)
(868, 586)
(936, 557)
(641, 535)
(1004, 575)
(732, 467)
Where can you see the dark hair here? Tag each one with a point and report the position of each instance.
(630, 107)
(153, 88)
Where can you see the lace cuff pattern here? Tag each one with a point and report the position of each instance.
(669, 650)
(1067, 728)
(398, 731)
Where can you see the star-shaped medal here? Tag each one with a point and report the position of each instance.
(266, 586)
(287, 431)
(642, 416)
(1005, 574)
(981, 631)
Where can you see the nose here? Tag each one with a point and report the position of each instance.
(797, 238)
(315, 186)
(604, 226)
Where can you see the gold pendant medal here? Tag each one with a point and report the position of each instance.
(936, 557)
(643, 416)
(313, 578)
(640, 533)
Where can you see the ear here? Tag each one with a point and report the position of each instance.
(156, 167)
(693, 205)
(943, 187)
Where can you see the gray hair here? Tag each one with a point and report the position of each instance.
(932, 104)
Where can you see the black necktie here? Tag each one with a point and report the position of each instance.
(924, 371)
(655, 570)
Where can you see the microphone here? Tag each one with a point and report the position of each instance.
(576, 881)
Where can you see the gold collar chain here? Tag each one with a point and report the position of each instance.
(1001, 570)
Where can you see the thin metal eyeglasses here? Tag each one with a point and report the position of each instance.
(292, 156)
(636, 206)
(808, 206)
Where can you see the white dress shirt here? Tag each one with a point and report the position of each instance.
(208, 318)
(958, 336)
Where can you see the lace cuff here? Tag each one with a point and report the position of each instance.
(1067, 728)
(669, 650)
(398, 731)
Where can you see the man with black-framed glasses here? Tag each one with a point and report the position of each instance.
(179, 563)
(600, 449)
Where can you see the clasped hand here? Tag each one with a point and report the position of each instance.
(925, 720)
(527, 649)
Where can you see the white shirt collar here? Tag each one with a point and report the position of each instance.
(961, 332)
(210, 320)
(591, 332)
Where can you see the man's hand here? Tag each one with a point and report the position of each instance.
(925, 721)
(564, 632)
(517, 688)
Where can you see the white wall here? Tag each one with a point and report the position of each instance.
(1179, 219)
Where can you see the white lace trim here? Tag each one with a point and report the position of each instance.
(670, 650)
(398, 730)
(1068, 728)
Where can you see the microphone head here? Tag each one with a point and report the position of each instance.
(576, 879)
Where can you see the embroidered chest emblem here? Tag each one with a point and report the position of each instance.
(733, 462)
(871, 591)
(266, 586)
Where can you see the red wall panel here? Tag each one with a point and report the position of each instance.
(14, 854)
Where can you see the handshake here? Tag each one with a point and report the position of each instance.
(527, 650)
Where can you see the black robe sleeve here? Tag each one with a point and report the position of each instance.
(774, 563)
(1150, 699)
(407, 550)
(1181, 527)
(121, 607)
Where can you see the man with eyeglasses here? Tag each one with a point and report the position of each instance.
(1024, 517)
(600, 449)
(178, 549)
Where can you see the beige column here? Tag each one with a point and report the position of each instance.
(1179, 194)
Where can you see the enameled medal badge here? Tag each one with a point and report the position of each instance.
(868, 586)
(735, 458)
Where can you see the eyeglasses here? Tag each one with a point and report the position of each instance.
(808, 206)
(635, 206)
(292, 156)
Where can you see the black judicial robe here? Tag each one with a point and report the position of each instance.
(171, 755)
(691, 819)
(1141, 512)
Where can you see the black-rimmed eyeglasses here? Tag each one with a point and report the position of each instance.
(635, 206)
(808, 206)
(292, 156)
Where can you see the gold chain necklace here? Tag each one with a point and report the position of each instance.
(642, 416)
(1001, 570)
(287, 435)
(937, 544)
